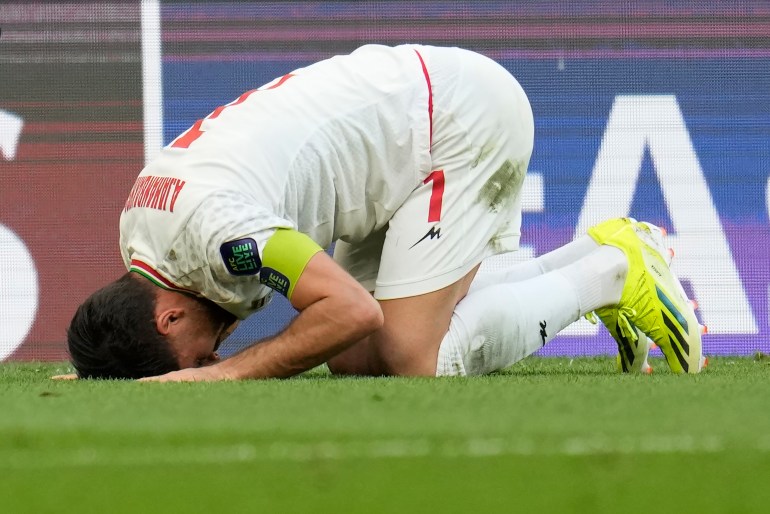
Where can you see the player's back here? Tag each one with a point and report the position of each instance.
(333, 148)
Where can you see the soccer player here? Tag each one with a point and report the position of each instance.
(411, 159)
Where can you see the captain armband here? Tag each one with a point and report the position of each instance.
(284, 258)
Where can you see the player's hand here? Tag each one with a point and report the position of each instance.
(205, 374)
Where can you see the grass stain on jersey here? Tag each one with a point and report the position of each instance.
(503, 185)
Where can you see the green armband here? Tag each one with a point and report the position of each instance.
(284, 258)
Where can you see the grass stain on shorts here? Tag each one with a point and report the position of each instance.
(503, 185)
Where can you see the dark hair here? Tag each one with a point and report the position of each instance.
(113, 333)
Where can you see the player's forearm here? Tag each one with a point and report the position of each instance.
(319, 332)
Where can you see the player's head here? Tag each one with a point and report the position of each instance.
(132, 329)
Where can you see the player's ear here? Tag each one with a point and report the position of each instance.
(166, 319)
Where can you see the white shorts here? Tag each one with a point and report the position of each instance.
(469, 205)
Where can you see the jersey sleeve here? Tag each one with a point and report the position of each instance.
(250, 252)
(229, 231)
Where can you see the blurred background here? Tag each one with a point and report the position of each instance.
(657, 109)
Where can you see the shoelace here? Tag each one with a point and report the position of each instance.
(627, 328)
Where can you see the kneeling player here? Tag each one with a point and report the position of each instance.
(411, 159)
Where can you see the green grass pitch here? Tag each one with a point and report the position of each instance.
(548, 435)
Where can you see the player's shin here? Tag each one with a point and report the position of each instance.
(556, 259)
(497, 326)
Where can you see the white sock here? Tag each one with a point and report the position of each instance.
(550, 261)
(598, 278)
(498, 325)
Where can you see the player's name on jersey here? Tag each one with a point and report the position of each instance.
(153, 192)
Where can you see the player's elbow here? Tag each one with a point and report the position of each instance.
(367, 315)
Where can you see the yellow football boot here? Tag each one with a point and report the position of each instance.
(653, 302)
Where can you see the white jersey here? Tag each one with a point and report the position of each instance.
(331, 150)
